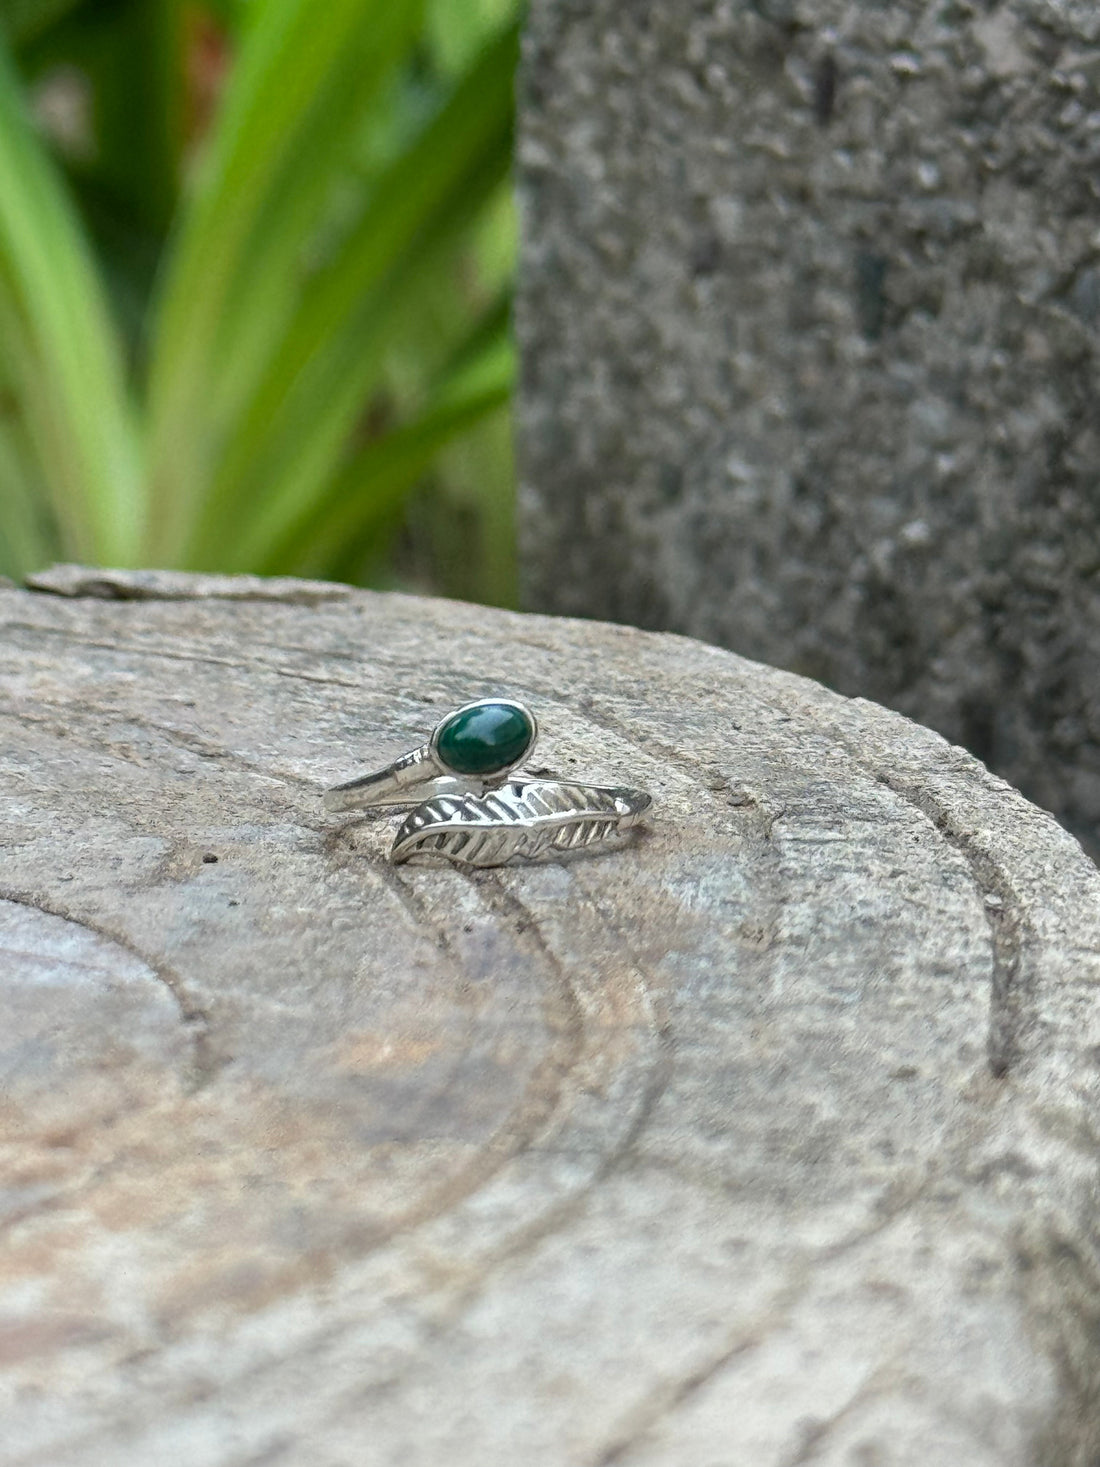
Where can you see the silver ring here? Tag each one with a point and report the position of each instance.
(472, 749)
(474, 806)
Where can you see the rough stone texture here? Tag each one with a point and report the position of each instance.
(810, 307)
(770, 1140)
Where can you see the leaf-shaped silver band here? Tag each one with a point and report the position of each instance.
(525, 818)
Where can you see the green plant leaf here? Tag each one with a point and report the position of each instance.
(486, 336)
(105, 66)
(330, 312)
(139, 71)
(26, 542)
(60, 354)
(457, 29)
(296, 428)
(25, 20)
(363, 498)
(304, 72)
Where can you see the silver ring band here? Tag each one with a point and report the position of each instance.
(414, 777)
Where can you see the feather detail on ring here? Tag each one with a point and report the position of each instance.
(524, 817)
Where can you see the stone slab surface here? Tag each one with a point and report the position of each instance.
(810, 309)
(771, 1139)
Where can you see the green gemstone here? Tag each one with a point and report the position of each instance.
(485, 739)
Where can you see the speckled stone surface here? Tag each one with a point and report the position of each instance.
(810, 307)
(766, 1141)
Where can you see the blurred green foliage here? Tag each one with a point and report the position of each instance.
(255, 270)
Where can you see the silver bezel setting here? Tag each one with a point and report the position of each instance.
(500, 775)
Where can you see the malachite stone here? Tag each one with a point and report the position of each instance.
(485, 739)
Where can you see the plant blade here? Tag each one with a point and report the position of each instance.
(303, 72)
(291, 440)
(365, 495)
(62, 360)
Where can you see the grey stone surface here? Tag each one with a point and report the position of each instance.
(770, 1140)
(810, 310)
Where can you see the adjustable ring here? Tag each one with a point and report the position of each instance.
(471, 750)
(474, 807)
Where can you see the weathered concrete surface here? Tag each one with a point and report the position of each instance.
(810, 307)
(769, 1140)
